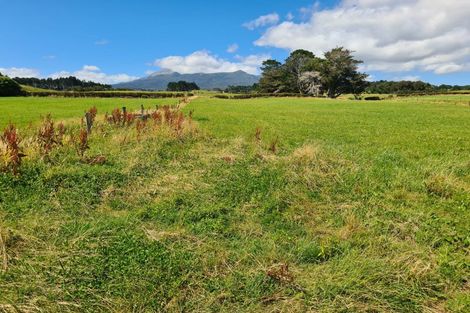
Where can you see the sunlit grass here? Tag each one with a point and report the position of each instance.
(364, 206)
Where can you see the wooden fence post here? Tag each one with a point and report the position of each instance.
(89, 122)
(124, 115)
(142, 115)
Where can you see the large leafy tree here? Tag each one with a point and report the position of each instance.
(299, 62)
(273, 77)
(304, 73)
(339, 72)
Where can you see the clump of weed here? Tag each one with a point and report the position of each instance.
(273, 146)
(81, 142)
(128, 119)
(258, 134)
(305, 155)
(116, 117)
(12, 153)
(120, 118)
(439, 185)
(49, 137)
(168, 115)
(95, 160)
(156, 117)
(178, 123)
(93, 111)
(140, 127)
(280, 273)
(60, 133)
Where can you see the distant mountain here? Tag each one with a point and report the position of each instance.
(160, 80)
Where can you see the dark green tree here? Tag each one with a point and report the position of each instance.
(9, 88)
(299, 62)
(339, 73)
(273, 77)
(182, 86)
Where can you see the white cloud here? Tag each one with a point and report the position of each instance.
(49, 57)
(205, 62)
(91, 68)
(93, 73)
(261, 21)
(389, 35)
(289, 16)
(410, 78)
(232, 48)
(102, 42)
(19, 72)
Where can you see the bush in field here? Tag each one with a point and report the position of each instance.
(9, 88)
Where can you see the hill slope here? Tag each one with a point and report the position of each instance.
(160, 80)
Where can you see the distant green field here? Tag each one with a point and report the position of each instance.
(337, 206)
(412, 125)
(23, 110)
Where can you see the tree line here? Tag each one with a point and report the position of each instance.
(410, 87)
(70, 83)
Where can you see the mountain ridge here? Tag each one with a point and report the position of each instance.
(160, 80)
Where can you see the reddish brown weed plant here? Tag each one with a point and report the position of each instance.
(117, 116)
(93, 111)
(140, 126)
(258, 134)
(178, 123)
(13, 152)
(48, 137)
(273, 146)
(60, 133)
(81, 142)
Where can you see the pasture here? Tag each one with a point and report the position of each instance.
(257, 205)
(24, 110)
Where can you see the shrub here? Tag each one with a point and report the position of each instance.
(372, 98)
(9, 88)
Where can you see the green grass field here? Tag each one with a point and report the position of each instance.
(362, 206)
(22, 111)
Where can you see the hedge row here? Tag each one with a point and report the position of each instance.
(464, 92)
(107, 94)
(259, 95)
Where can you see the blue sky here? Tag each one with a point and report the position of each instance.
(113, 41)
